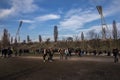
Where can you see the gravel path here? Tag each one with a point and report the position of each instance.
(75, 68)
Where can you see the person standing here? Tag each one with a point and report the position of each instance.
(10, 52)
(66, 53)
(44, 55)
(115, 54)
(50, 54)
(61, 52)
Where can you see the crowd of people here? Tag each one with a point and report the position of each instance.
(49, 52)
(6, 52)
(64, 53)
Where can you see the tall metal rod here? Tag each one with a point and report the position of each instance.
(17, 33)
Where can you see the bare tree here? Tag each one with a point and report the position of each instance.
(97, 36)
(114, 31)
(5, 38)
(47, 41)
(94, 42)
(103, 33)
(118, 34)
(55, 33)
(76, 38)
(11, 40)
(91, 34)
(15, 41)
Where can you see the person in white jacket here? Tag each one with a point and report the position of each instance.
(66, 53)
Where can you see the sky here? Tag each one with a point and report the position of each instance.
(72, 17)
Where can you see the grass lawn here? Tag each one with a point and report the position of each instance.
(75, 68)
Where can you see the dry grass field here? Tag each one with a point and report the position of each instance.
(75, 68)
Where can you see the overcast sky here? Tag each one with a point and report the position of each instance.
(71, 16)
